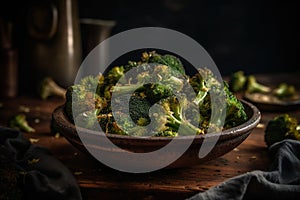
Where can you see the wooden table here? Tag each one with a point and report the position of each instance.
(99, 182)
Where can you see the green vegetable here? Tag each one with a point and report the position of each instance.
(157, 82)
(235, 112)
(284, 90)
(19, 122)
(282, 127)
(253, 86)
(170, 114)
(169, 60)
(237, 81)
(83, 96)
(48, 87)
(158, 104)
(199, 85)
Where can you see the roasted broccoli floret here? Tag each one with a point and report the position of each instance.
(167, 59)
(139, 110)
(199, 85)
(148, 60)
(253, 86)
(235, 111)
(203, 83)
(83, 97)
(281, 127)
(131, 116)
(284, 90)
(154, 83)
(20, 122)
(237, 81)
(170, 115)
(48, 87)
(87, 119)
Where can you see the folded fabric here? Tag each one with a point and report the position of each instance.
(28, 171)
(282, 181)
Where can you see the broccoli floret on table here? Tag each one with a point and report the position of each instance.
(253, 86)
(20, 122)
(237, 81)
(282, 127)
(48, 87)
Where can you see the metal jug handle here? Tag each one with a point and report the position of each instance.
(42, 20)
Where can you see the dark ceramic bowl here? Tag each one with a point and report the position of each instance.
(227, 139)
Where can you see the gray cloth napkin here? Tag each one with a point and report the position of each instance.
(282, 181)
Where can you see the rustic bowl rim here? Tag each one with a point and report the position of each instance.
(251, 123)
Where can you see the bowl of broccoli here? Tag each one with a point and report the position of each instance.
(120, 108)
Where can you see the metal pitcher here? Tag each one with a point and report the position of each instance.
(54, 46)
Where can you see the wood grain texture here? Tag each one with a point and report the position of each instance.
(98, 181)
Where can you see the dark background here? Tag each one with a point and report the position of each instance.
(256, 36)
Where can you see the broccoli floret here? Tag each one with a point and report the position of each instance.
(155, 92)
(163, 82)
(88, 119)
(237, 81)
(113, 75)
(162, 119)
(235, 111)
(204, 82)
(48, 87)
(20, 122)
(198, 84)
(139, 110)
(284, 90)
(83, 96)
(281, 127)
(170, 115)
(167, 59)
(253, 86)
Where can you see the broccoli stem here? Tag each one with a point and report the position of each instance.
(19, 122)
(201, 95)
(125, 89)
(254, 86)
(186, 127)
(49, 88)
